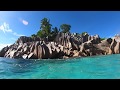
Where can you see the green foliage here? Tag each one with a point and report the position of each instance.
(65, 28)
(45, 28)
(54, 33)
(102, 39)
(46, 32)
(33, 35)
(83, 33)
(41, 34)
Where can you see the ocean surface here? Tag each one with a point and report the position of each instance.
(95, 67)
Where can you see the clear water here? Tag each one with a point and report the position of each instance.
(97, 67)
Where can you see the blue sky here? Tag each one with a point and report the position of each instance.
(14, 24)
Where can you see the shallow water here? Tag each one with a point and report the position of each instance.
(96, 67)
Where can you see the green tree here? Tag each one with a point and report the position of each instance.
(45, 28)
(102, 39)
(41, 34)
(54, 33)
(55, 30)
(65, 28)
(33, 35)
(83, 33)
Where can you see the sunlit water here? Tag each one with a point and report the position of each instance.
(97, 67)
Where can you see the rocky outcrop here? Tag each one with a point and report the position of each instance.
(3, 51)
(112, 46)
(24, 39)
(64, 46)
(117, 48)
(68, 41)
(96, 39)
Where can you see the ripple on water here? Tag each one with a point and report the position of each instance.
(100, 67)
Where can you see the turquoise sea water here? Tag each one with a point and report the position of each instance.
(96, 67)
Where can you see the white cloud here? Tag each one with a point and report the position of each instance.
(5, 28)
(25, 22)
(16, 34)
(4, 45)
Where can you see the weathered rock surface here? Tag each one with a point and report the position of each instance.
(65, 46)
(3, 51)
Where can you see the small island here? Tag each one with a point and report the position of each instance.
(54, 43)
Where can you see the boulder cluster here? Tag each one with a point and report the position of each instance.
(65, 45)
